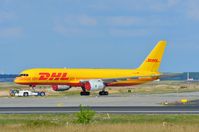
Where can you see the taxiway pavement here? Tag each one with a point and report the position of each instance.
(111, 100)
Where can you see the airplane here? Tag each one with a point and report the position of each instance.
(95, 79)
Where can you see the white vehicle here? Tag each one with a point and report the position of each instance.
(26, 93)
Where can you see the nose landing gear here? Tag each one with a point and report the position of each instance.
(33, 87)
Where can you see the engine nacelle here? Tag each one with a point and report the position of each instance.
(60, 87)
(94, 85)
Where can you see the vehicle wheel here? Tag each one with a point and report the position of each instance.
(85, 93)
(42, 94)
(25, 94)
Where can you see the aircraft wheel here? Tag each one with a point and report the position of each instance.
(42, 94)
(103, 93)
(85, 93)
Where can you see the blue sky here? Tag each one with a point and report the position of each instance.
(100, 33)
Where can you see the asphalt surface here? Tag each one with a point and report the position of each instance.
(111, 100)
(105, 109)
(118, 103)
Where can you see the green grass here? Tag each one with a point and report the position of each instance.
(100, 123)
(35, 120)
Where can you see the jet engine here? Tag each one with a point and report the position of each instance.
(60, 87)
(94, 85)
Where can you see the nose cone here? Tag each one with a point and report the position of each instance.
(16, 80)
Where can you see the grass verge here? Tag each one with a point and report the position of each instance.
(101, 122)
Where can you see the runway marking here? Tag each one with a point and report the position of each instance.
(60, 104)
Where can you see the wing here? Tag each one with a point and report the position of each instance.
(154, 77)
(107, 81)
(111, 80)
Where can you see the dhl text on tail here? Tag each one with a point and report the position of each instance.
(95, 79)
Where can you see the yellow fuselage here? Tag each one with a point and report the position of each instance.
(73, 77)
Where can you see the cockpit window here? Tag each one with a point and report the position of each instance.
(23, 75)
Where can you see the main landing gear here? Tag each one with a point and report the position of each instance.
(84, 92)
(87, 93)
(103, 92)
